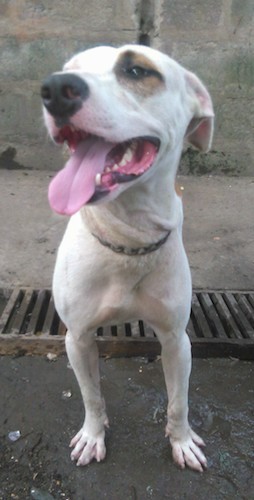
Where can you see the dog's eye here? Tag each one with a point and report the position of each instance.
(137, 72)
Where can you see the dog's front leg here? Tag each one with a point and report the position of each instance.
(89, 441)
(176, 362)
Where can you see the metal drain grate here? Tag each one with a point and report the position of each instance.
(221, 324)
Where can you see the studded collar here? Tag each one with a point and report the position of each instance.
(133, 251)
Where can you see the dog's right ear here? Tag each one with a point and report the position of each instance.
(200, 129)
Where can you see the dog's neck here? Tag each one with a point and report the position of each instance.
(137, 216)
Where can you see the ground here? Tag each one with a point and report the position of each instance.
(41, 399)
(138, 464)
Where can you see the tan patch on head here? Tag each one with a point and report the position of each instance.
(139, 74)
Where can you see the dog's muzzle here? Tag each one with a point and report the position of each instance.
(63, 95)
(98, 166)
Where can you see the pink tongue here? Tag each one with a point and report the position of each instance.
(74, 185)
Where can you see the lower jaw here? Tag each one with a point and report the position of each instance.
(98, 196)
(102, 192)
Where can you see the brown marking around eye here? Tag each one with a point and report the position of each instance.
(150, 83)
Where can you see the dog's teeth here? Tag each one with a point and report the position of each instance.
(98, 179)
(128, 155)
(123, 162)
(115, 167)
(126, 158)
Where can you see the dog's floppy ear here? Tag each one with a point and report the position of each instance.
(200, 129)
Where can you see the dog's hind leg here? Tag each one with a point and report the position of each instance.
(88, 444)
(176, 362)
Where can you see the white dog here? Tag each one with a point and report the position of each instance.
(124, 114)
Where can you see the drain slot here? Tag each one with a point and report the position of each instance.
(10, 310)
(239, 317)
(221, 324)
(212, 316)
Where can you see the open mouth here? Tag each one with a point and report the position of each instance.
(97, 167)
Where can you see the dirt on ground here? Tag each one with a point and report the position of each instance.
(41, 400)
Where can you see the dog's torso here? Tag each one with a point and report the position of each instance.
(113, 287)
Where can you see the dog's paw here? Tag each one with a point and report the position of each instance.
(87, 447)
(187, 451)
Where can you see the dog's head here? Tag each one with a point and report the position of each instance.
(120, 111)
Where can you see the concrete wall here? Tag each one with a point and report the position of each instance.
(214, 38)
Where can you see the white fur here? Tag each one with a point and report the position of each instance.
(94, 286)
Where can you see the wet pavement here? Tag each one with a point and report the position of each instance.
(41, 399)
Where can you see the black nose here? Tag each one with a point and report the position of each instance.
(63, 94)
